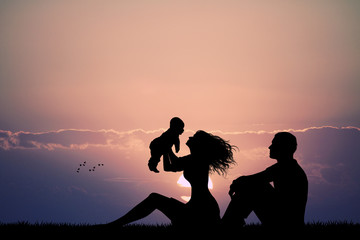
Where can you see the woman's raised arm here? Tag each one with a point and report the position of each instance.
(172, 163)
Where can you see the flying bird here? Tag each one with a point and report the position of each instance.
(90, 169)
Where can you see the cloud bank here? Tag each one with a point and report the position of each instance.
(37, 171)
(67, 139)
(83, 138)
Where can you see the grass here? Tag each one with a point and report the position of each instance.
(344, 230)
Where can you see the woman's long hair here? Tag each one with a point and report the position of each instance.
(217, 151)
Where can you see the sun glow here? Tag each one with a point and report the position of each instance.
(182, 182)
(185, 198)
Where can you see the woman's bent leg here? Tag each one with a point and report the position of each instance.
(168, 206)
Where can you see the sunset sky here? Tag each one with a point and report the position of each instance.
(95, 81)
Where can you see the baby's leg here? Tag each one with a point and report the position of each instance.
(154, 160)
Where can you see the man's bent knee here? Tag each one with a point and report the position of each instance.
(154, 196)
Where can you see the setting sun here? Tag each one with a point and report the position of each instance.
(182, 182)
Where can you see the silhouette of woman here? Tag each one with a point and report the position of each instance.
(208, 153)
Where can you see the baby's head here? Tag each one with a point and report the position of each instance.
(177, 125)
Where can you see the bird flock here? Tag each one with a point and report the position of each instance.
(90, 169)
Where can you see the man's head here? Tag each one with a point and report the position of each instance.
(283, 146)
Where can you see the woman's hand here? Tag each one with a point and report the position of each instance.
(167, 162)
(172, 163)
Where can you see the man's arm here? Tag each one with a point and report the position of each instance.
(244, 181)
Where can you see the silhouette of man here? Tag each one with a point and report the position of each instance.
(280, 205)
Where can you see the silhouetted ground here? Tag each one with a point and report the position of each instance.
(344, 230)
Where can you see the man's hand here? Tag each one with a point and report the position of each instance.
(236, 185)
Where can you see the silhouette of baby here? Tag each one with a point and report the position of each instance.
(163, 144)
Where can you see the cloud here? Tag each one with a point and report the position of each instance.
(38, 163)
(130, 180)
(71, 139)
(328, 153)
(83, 138)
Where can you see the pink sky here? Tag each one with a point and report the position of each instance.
(228, 65)
(78, 79)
